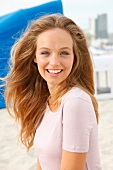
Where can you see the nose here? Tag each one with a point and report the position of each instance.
(54, 60)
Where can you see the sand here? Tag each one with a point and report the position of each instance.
(13, 155)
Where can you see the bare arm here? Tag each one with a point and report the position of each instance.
(73, 161)
(38, 165)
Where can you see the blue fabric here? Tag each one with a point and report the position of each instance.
(11, 27)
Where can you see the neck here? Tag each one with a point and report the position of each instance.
(54, 89)
(54, 104)
(54, 98)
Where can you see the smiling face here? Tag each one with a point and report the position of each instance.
(54, 56)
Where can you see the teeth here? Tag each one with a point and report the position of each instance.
(54, 71)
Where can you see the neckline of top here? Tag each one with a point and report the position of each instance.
(48, 110)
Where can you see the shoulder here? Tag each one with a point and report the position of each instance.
(77, 93)
(78, 102)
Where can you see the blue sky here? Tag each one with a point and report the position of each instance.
(79, 10)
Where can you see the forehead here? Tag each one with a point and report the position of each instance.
(55, 36)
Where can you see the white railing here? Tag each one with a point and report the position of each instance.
(103, 67)
(104, 84)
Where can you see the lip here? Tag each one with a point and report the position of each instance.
(54, 69)
(54, 74)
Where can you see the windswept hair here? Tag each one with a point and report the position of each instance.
(26, 91)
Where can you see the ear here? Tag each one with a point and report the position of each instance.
(35, 60)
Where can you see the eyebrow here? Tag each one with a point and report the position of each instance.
(60, 48)
(43, 48)
(65, 48)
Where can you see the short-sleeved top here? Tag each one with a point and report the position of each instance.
(72, 128)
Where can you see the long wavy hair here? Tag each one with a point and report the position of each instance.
(26, 92)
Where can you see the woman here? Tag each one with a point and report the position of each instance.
(50, 88)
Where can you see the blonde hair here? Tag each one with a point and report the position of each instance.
(26, 91)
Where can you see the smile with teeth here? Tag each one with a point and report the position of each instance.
(54, 71)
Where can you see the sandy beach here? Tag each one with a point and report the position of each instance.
(13, 155)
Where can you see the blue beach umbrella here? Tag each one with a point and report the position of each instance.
(11, 27)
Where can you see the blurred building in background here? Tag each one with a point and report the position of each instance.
(101, 27)
(97, 34)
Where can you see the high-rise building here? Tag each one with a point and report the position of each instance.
(101, 30)
(97, 33)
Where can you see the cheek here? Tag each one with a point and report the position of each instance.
(40, 68)
(41, 65)
(41, 62)
(69, 63)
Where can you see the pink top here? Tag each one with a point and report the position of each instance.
(72, 128)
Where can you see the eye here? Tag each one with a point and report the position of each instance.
(64, 53)
(45, 53)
